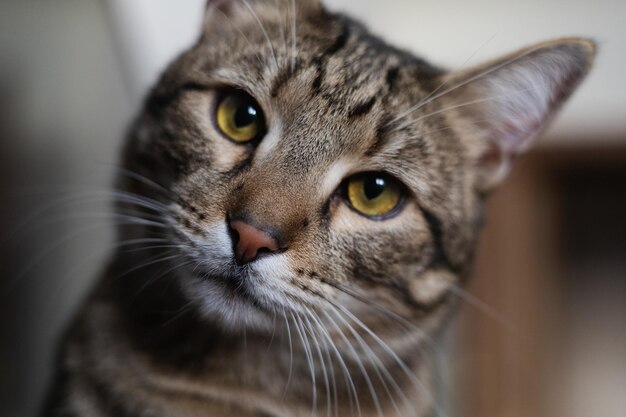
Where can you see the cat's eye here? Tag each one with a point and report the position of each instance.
(239, 117)
(373, 194)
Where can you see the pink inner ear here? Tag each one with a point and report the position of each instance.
(529, 91)
(516, 135)
(491, 157)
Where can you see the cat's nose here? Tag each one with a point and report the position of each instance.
(250, 242)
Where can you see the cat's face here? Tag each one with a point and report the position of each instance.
(301, 175)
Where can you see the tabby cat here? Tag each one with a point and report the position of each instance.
(297, 202)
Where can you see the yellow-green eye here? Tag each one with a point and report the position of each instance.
(373, 194)
(239, 117)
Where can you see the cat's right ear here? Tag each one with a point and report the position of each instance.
(218, 14)
(225, 14)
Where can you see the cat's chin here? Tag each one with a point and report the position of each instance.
(236, 297)
(221, 302)
(228, 301)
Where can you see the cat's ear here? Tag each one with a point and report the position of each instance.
(218, 14)
(509, 101)
(224, 14)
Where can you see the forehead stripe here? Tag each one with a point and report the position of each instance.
(440, 257)
(362, 109)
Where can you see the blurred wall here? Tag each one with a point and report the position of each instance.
(64, 106)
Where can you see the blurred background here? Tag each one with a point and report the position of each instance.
(542, 331)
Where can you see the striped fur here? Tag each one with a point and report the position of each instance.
(342, 321)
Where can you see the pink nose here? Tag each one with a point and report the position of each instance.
(250, 241)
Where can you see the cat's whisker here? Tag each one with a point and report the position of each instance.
(455, 289)
(461, 105)
(329, 359)
(245, 339)
(88, 258)
(131, 197)
(445, 82)
(432, 345)
(163, 274)
(379, 367)
(68, 205)
(54, 246)
(421, 135)
(130, 242)
(146, 181)
(322, 362)
(155, 218)
(388, 313)
(140, 203)
(155, 247)
(294, 47)
(459, 85)
(182, 311)
(347, 376)
(372, 359)
(359, 364)
(402, 320)
(22, 233)
(484, 308)
(269, 345)
(114, 217)
(119, 244)
(151, 261)
(307, 350)
(262, 27)
(127, 221)
(281, 29)
(31, 217)
(288, 326)
(403, 366)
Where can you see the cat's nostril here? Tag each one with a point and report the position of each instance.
(234, 235)
(250, 242)
(263, 250)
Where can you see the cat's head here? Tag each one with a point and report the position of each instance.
(305, 167)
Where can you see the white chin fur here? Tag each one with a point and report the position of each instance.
(218, 304)
(266, 285)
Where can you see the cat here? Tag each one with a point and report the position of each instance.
(298, 199)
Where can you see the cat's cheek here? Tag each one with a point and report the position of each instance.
(214, 249)
(431, 287)
(272, 281)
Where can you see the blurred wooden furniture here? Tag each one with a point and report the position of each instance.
(508, 349)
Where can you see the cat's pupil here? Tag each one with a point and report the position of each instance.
(373, 187)
(245, 115)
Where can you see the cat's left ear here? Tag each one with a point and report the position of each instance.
(509, 101)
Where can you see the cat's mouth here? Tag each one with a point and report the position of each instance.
(235, 284)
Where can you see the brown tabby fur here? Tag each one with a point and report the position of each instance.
(176, 328)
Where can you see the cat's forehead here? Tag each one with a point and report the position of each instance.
(331, 58)
(329, 87)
